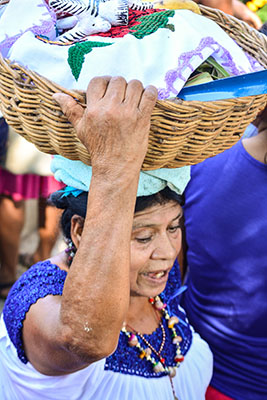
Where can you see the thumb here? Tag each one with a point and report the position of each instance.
(72, 110)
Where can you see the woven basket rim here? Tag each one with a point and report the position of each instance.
(80, 95)
(14, 71)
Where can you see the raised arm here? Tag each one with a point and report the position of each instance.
(64, 334)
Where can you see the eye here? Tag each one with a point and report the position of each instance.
(173, 229)
(143, 240)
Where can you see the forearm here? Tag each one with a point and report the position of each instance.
(96, 293)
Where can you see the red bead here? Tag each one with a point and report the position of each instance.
(151, 300)
(179, 358)
(162, 360)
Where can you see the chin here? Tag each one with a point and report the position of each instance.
(147, 291)
(154, 293)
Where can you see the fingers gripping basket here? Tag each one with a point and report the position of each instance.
(182, 132)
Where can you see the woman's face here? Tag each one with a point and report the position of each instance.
(155, 243)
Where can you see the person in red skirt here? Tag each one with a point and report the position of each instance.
(14, 191)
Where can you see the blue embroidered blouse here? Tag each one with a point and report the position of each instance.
(45, 278)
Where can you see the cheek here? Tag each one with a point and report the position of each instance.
(135, 274)
(139, 259)
(178, 241)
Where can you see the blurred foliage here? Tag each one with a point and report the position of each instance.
(257, 6)
(262, 13)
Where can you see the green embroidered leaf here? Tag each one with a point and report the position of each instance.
(76, 55)
(171, 27)
(151, 23)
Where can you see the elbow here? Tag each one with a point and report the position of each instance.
(105, 350)
(90, 347)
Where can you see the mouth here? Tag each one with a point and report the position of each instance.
(157, 277)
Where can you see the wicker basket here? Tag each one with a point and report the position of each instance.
(182, 132)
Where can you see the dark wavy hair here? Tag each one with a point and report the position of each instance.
(77, 205)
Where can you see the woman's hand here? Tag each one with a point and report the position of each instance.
(114, 126)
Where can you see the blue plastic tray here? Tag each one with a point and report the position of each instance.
(251, 84)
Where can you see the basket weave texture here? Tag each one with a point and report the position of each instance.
(182, 132)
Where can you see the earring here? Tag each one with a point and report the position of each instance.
(70, 251)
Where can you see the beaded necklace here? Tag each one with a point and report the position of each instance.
(159, 364)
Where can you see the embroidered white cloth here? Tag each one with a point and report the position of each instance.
(162, 49)
(20, 381)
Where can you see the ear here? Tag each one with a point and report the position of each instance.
(76, 229)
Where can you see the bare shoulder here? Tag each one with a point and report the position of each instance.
(43, 339)
(44, 334)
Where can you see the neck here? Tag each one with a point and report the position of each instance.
(256, 146)
(141, 316)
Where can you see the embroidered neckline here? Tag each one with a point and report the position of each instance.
(126, 359)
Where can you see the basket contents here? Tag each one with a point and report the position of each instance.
(165, 48)
(159, 47)
(208, 71)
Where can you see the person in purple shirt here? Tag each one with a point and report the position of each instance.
(226, 233)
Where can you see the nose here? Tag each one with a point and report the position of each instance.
(166, 248)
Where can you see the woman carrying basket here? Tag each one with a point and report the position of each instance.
(103, 320)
